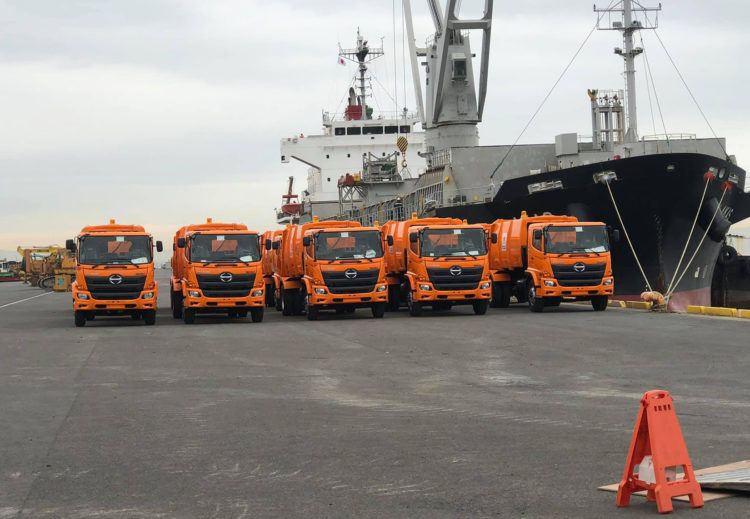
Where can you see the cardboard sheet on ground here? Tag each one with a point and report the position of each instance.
(716, 482)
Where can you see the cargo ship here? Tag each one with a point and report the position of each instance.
(673, 197)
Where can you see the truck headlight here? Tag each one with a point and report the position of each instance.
(609, 281)
(381, 288)
(148, 295)
(257, 293)
(485, 285)
(426, 288)
(320, 291)
(83, 297)
(194, 293)
(549, 283)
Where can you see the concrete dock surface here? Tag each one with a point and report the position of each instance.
(511, 414)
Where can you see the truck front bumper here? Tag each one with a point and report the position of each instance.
(455, 297)
(256, 299)
(145, 301)
(361, 299)
(577, 292)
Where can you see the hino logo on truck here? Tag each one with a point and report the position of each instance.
(579, 267)
(351, 274)
(226, 277)
(115, 279)
(456, 271)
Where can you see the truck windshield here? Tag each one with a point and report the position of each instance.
(453, 242)
(348, 245)
(576, 238)
(114, 250)
(224, 248)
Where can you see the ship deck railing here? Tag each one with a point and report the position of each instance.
(670, 137)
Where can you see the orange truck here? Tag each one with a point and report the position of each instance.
(216, 268)
(545, 259)
(436, 262)
(270, 262)
(329, 265)
(114, 273)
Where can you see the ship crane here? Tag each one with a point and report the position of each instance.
(290, 207)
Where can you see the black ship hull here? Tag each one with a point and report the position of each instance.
(658, 197)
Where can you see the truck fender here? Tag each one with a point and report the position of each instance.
(412, 282)
(176, 285)
(500, 277)
(307, 282)
(535, 277)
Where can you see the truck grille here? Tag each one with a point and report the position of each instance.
(239, 285)
(115, 286)
(455, 277)
(568, 276)
(338, 282)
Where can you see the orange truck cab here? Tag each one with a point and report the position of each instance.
(329, 265)
(216, 268)
(270, 259)
(545, 259)
(114, 273)
(437, 262)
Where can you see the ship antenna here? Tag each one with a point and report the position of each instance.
(362, 54)
(628, 26)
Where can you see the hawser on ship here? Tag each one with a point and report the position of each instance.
(673, 197)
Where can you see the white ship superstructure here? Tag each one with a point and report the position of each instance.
(350, 138)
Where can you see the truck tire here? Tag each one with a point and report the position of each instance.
(256, 314)
(149, 317)
(312, 311)
(500, 295)
(378, 310)
(287, 302)
(79, 317)
(480, 307)
(599, 303)
(394, 298)
(176, 300)
(415, 307)
(277, 300)
(188, 315)
(536, 304)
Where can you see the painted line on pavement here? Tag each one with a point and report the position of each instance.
(27, 299)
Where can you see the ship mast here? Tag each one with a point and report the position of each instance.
(628, 26)
(361, 55)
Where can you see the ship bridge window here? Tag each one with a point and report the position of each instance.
(372, 130)
(354, 130)
(405, 129)
(391, 129)
(339, 131)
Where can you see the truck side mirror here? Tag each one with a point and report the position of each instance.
(159, 246)
(269, 244)
(616, 235)
(493, 237)
(180, 243)
(413, 238)
(306, 241)
(70, 245)
(276, 245)
(389, 239)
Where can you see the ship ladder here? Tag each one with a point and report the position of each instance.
(605, 180)
(726, 187)
(709, 176)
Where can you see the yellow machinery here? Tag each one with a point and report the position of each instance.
(50, 267)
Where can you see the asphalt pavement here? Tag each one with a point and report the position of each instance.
(511, 414)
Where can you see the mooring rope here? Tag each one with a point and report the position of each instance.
(698, 248)
(627, 236)
(709, 177)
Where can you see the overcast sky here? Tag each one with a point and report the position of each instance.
(163, 112)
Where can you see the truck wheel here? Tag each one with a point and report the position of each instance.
(536, 304)
(79, 316)
(378, 310)
(312, 311)
(149, 317)
(188, 315)
(287, 302)
(176, 300)
(415, 307)
(277, 300)
(599, 303)
(500, 295)
(256, 314)
(394, 298)
(480, 307)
